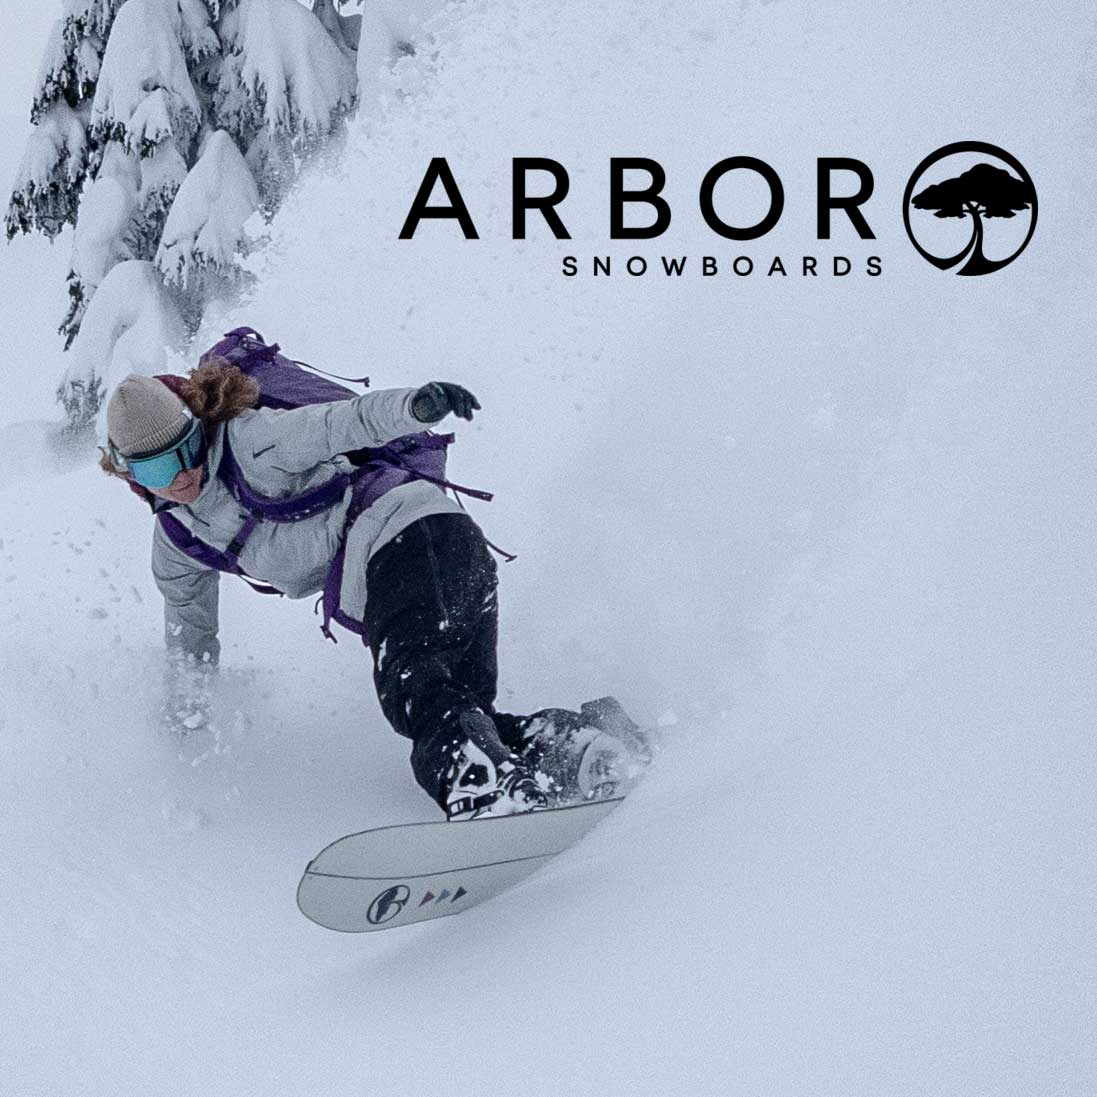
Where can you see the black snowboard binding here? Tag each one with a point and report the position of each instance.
(592, 754)
(484, 778)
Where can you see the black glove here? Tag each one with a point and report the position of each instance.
(439, 398)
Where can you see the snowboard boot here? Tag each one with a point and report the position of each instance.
(484, 778)
(594, 754)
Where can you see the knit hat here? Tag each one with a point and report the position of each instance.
(145, 416)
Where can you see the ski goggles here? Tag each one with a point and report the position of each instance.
(158, 470)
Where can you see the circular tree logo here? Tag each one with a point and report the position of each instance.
(957, 183)
(388, 904)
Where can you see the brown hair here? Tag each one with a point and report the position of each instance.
(215, 391)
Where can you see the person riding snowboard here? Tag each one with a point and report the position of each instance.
(415, 571)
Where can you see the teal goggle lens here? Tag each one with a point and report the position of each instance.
(158, 470)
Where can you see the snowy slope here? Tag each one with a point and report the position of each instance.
(842, 530)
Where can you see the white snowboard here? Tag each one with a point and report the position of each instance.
(393, 876)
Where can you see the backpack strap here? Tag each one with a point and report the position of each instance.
(263, 508)
(206, 554)
(370, 483)
(394, 454)
(383, 472)
(294, 509)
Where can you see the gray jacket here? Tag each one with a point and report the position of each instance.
(281, 454)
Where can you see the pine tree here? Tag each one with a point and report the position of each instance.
(161, 126)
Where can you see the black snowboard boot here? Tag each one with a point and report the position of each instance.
(592, 754)
(484, 778)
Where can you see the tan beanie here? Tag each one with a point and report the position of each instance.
(145, 416)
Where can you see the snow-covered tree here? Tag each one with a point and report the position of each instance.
(281, 104)
(160, 127)
(205, 224)
(58, 157)
(131, 325)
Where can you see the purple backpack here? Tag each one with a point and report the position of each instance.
(286, 383)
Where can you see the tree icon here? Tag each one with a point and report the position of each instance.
(982, 191)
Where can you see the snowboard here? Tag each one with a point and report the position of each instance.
(394, 876)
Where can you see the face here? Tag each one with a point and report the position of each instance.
(184, 488)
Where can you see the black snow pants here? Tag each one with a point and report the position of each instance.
(432, 619)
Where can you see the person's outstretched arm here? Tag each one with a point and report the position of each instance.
(301, 438)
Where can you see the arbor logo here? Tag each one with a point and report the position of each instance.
(956, 183)
(960, 211)
(388, 904)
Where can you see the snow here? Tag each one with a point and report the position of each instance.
(391, 28)
(106, 210)
(162, 173)
(293, 76)
(131, 326)
(838, 534)
(59, 137)
(197, 35)
(52, 75)
(206, 220)
(344, 25)
(90, 17)
(144, 94)
(55, 150)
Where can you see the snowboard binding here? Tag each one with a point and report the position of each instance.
(594, 754)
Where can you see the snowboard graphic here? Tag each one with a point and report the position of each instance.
(393, 876)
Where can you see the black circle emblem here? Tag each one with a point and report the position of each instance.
(388, 904)
(970, 188)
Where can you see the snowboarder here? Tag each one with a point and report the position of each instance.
(416, 572)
